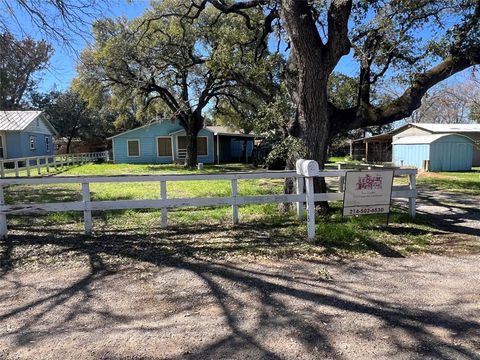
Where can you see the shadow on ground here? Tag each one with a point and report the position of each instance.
(205, 307)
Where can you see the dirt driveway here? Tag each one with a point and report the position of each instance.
(410, 308)
(126, 297)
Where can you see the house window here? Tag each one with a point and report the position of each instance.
(33, 142)
(164, 146)
(47, 144)
(202, 144)
(133, 148)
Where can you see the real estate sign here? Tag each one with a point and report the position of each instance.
(367, 192)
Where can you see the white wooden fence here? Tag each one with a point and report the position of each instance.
(30, 164)
(164, 203)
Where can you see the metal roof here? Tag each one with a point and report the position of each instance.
(430, 127)
(448, 128)
(216, 130)
(424, 139)
(223, 130)
(17, 120)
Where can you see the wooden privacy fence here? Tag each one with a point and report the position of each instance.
(30, 164)
(87, 205)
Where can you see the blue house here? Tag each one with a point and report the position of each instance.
(435, 152)
(164, 142)
(25, 134)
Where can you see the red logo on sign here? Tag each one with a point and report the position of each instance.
(368, 182)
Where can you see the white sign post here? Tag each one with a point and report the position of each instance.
(367, 192)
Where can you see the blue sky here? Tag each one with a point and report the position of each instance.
(63, 62)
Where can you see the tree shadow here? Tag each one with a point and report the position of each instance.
(452, 217)
(298, 308)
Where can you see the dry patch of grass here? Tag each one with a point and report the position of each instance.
(434, 175)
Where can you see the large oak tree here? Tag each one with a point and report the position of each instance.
(175, 61)
(415, 44)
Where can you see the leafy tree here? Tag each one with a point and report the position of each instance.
(388, 42)
(173, 61)
(342, 93)
(72, 118)
(20, 63)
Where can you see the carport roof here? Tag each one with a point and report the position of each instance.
(223, 130)
(218, 130)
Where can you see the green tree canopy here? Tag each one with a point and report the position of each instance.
(71, 117)
(173, 62)
(412, 44)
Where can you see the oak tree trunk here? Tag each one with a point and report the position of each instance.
(306, 80)
(192, 123)
(191, 157)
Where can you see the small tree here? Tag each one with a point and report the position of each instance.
(71, 117)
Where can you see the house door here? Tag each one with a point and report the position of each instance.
(202, 146)
(181, 147)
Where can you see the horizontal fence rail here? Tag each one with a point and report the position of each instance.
(87, 205)
(32, 163)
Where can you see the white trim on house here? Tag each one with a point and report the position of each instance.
(113, 152)
(139, 148)
(176, 132)
(4, 145)
(171, 144)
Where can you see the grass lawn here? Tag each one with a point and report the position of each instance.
(264, 230)
(466, 182)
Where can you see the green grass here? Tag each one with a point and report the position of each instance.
(343, 159)
(264, 230)
(146, 190)
(467, 182)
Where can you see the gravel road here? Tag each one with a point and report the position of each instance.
(421, 307)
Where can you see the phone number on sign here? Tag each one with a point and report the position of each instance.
(367, 211)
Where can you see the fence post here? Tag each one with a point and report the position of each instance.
(310, 208)
(299, 185)
(341, 183)
(46, 164)
(37, 160)
(2, 169)
(3, 216)
(234, 198)
(15, 164)
(412, 201)
(309, 169)
(163, 196)
(87, 213)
